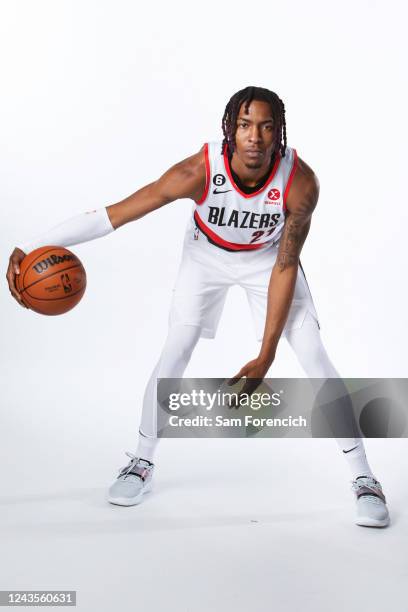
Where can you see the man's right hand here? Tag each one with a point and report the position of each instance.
(16, 258)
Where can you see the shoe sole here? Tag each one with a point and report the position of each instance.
(370, 522)
(130, 501)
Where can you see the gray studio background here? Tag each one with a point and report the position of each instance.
(98, 99)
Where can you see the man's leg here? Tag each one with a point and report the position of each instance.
(176, 354)
(371, 503)
(197, 303)
(135, 479)
(307, 344)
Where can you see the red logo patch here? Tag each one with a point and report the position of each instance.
(274, 194)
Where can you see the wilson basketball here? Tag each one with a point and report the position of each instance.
(52, 280)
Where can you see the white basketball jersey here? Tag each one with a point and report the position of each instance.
(238, 221)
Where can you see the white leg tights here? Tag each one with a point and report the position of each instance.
(311, 353)
(176, 354)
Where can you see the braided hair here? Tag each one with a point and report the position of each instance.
(229, 120)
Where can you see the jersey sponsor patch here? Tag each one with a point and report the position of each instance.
(274, 194)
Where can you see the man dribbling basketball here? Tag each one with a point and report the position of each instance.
(254, 200)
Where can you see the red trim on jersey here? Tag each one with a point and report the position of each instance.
(290, 179)
(233, 246)
(207, 175)
(250, 195)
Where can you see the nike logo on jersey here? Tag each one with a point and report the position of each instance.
(241, 218)
(217, 191)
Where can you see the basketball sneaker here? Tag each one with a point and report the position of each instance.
(133, 481)
(371, 503)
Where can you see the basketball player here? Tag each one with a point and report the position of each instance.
(253, 203)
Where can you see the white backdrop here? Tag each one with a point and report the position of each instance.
(99, 98)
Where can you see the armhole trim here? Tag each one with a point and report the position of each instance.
(207, 175)
(290, 179)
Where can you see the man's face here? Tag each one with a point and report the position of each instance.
(255, 134)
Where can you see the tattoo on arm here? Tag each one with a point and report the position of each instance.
(300, 206)
(294, 234)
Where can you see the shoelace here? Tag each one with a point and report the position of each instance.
(124, 471)
(134, 460)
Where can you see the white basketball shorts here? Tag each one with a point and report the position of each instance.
(206, 272)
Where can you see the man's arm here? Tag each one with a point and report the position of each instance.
(183, 180)
(301, 202)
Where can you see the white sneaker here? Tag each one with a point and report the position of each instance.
(133, 481)
(371, 503)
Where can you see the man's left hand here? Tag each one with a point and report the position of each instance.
(254, 371)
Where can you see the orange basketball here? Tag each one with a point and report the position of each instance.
(52, 280)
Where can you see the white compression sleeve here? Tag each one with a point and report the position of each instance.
(81, 228)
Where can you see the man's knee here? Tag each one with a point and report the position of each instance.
(182, 340)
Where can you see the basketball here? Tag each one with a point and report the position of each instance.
(52, 280)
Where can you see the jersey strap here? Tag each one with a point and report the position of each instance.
(207, 175)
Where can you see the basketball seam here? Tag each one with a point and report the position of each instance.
(50, 276)
(54, 299)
